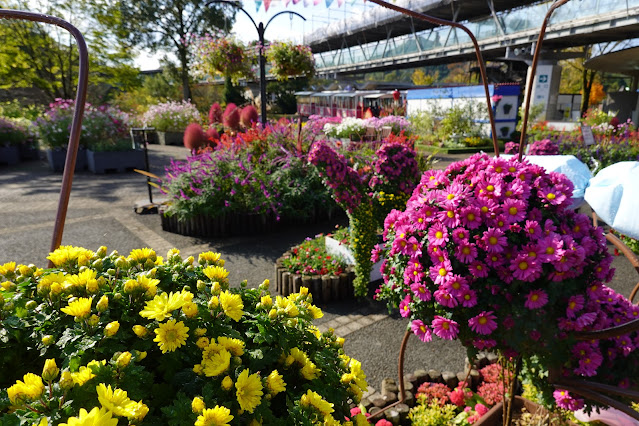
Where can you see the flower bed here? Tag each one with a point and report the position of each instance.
(137, 339)
(310, 265)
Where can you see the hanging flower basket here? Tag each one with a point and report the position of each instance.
(288, 59)
(222, 55)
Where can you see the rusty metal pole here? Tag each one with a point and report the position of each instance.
(533, 70)
(76, 126)
(480, 59)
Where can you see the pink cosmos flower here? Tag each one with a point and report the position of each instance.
(421, 330)
(484, 323)
(445, 328)
(536, 299)
(493, 241)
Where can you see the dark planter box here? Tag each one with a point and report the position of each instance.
(118, 161)
(9, 155)
(171, 138)
(57, 157)
(29, 152)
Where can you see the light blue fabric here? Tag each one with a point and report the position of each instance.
(576, 171)
(614, 195)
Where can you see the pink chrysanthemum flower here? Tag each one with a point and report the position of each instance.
(589, 358)
(466, 252)
(460, 235)
(421, 292)
(449, 217)
(404, 307)
(456, 285)
(444, 298)
(478, 269)
(445, 328)
(468, 298)
(566, 401)
(575, 304)
(514, 210)
(533, 230)
(470, 217)
(536, 299)
(484, 323)
(421, 330)
(438, 235)
(493, 241)
(483, 344)
(525, 268)
(441, 272)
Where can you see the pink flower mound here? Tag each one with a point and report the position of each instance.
(509, 267)
(431, 391)
(544, 147)
(511, 148)
(215, 113)
(194, 136)
(248, 116)
(231, 117)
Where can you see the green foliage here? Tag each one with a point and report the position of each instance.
(289, 60)
(169, 338)
(232, 94)
(450, 127)
(284, 93)
(432, 414)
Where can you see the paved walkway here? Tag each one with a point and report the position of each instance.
(101, 213)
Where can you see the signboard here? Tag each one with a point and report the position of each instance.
(589, 138)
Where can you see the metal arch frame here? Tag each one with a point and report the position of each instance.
(76, 125)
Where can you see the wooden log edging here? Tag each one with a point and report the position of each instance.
(220, 226)
(324, 288)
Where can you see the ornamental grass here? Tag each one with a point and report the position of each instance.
(138, 339)
(489, 253)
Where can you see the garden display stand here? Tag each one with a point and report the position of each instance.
(595, 391)
(76, 125)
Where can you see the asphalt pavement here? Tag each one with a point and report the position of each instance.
(101, 213)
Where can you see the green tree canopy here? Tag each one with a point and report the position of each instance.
(169, 25)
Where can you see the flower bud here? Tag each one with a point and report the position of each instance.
(152, 272)
(214, 303)
(123, 359)
(140, 330)
(114, 254)
(201, 285)
(121, 263)
(50, 370)
(103, 303)
(111, 328)
(266, 301)
(1, 300)
(189, 309)
(66, 380)
(31, 305)
(189, 260)
(117, 296)
(93, 320)
(227, 383)
(215, 288)
(111, 272)
(8, 306)
(139, 356)
(101, 251)
(97, 264)
(101, 281)
(190, 268)
(197, 405)
(272, 314)
(83, 268)
(8, 286)
(200, 332)
(48, 340)
(265, 284)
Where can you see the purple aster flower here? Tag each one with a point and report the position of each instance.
(536, 299)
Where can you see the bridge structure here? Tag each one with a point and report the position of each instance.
(505, 29)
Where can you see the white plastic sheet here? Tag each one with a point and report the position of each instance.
(614, 195)
(576, 171)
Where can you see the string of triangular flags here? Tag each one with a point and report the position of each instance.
(267, 3)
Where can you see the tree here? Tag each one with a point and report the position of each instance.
(420, 78)
(169, 25)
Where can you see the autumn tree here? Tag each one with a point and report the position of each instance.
(420, 78)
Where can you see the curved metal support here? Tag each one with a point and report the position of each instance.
(533, 70)
(76, 125)
(290, 12)
(400, 373)
(480, 59)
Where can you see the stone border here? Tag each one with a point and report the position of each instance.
(324, 288)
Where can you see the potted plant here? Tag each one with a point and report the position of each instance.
(488, 252)
(170, 120)
(288, 59)
(53, 129)
(142, 339)
(222, 55)
(11, 137)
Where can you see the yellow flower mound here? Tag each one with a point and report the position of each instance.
(171, 335)
(84, 281)
(96, 417)
(286, 306)
(232, 305)
(80, 308)
(29, 388)
(218, 416)
(164, 304)
(66, 255)
(248, 391)
(313, 399)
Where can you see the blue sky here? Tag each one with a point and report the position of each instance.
(282, 27)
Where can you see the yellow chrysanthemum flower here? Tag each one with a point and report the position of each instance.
(227, 383)
(189, 309)
(232, 305)
(136, 411)
(80, 308)
(142, 255)
(217, 363)
(44, 286)
(217, 416)
(83, 375)
(275, 383)
(147, 283)
(266, 301)
(163, 304)
(234, 346)
(114, 400)
(140, 330)
(97, 416)
(313, 399)
(208, 257)
(315, 311)
(68, 255)
(123, 359)
(85, 280)
(8, 269)
(216, 273)
(197, 405)
(202, 342)
(29, 388)
(310, 371)
(171, 335)
(200, 332)
(286, 306)
(248, 391)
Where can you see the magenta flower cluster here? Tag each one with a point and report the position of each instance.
(488, 252)
(544, 147)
